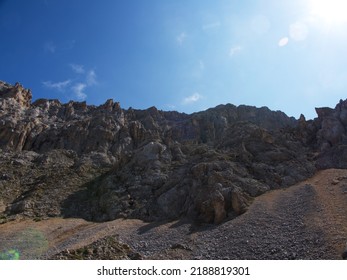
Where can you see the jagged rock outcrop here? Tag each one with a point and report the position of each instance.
(104, 162)
(15, 95)
(331, 136)
(240, 202)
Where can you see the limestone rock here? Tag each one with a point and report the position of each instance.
(331, 136)
(210, 206)
(240, 202)
(16, 93)
(104, 162)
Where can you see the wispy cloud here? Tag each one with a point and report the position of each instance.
(234, 50)
(211, 25)
(181, 38)
(77, 85)
(191, 99)
(77, 68)
(61, 86)
(91, 78)
(54, 47)
(50, 47)
(78, 90)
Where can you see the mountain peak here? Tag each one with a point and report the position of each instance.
(16, 93)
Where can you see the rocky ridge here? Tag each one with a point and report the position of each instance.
(103, 162)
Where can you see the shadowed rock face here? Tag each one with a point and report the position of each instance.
(331, 136)
(104, 162)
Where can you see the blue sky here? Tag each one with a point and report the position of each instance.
(184, 55)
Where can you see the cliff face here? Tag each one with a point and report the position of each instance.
(102, 163)
(331, 136)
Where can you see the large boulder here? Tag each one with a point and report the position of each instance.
(240, 202)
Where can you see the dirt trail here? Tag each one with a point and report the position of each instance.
(305, 221)
(331, 193)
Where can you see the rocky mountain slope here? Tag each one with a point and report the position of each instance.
(304, 221)
(103, 162)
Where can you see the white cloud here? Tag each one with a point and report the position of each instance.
(78, 90)
(79, 69)
(181, 38)
(283, 41)
(58, 86)
(78, 84)
(53, 47)
(191, 99)
(234, 50)
(91, 78)
(50, 47)
(211, 25)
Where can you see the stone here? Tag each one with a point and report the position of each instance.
(218, 205)
(2, 206)
(104, 162)
(335, 182)
(16, 93)
(240, 202)
(107, 248)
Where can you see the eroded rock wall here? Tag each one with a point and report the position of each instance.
(104, 162)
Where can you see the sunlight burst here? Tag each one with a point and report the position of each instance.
(331, 11)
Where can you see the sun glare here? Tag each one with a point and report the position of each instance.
(331, 11)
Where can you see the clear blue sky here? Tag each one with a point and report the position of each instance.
(184, 55)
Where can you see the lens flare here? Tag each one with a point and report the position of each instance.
(10, 255)
(27, 244)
